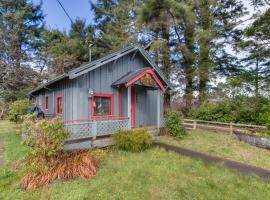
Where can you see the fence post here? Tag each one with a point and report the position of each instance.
(94, 129)
(194, 124)
(231, 128)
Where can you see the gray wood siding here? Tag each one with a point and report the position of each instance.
(76, 99)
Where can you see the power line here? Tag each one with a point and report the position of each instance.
(65, 11)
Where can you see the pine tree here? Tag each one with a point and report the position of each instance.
(21, 23)
(217, 21)
(64, 51)
(154, 15)
(256, 48)
(184, 23)
(114, 25)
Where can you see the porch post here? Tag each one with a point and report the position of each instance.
(158, 108)
(129, 106)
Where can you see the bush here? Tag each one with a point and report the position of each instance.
(213, 112)
(45, 139)
(47, 160)
(18, 109)
(174, 124)
(239, 109)
(67, 166)
(135, 140)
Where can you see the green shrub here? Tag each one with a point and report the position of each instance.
(18, 109)
(238, 109)
(135, 140)
(45, 139)
(213, 112)
(174, 123)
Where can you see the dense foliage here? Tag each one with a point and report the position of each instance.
(18, 109)
(135, 140)
(174, 123)
(239, 110)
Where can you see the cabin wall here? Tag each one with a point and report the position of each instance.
(76, 98)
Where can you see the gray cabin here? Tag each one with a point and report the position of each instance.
(120, 91)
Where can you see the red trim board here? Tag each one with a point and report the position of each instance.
(148, 70)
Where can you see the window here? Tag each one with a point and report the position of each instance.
(102, 105)
(46, 102)
(59, 105)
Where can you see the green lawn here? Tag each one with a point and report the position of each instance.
(223, 145)
(153, 174)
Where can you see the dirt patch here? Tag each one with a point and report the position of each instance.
(241, 167)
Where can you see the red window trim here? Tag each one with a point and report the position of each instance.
(148, 70)
(46, 102)
(92, 116)
(56, 111)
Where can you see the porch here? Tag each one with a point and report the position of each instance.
(93, 129)
(91, 134)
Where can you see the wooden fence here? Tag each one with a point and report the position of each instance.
(220, 126)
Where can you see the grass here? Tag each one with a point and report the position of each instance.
(153, 174)
(223, 145)
(14, 150)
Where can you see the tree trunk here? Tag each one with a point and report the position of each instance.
(166, 64)
(257, 79)
(204, 43)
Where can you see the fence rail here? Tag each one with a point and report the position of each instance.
(227, 127)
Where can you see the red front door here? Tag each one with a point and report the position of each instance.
(133, 107)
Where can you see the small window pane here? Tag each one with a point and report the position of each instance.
(102, 106)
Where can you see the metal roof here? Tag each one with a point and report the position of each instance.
(58, 78)
(127, 77)
(104, 60)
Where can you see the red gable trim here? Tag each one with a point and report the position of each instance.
(146, 71)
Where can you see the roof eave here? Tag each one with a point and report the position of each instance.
(59, 78)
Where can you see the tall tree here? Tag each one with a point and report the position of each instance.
(256, 47)
(21, 23)
(63, 51)
(114, 25)
(155, 16)
(184, 23)
(217, 28)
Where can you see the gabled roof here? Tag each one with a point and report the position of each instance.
(132, 77)
(104, 60)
